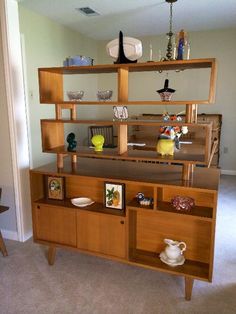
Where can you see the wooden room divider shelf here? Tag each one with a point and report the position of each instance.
(134, 235)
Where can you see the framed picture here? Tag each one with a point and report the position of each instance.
(55, 187)
(114, 195)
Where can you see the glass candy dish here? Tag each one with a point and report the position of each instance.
(75, 95)
(104, 95)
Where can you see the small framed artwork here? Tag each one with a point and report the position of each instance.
(55, 187)
(114, 195)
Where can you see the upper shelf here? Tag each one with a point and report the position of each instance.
(134, 67)
(52, 89)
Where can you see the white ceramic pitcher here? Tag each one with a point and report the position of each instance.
(173, 249)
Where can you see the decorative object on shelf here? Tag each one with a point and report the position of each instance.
(114, 195)
(55, 187)
(124, 49)
(183, 203)
(98, 141)
(75, 95)
(144, 201)
(104, 95)
(182, 42)
(150, 53)
(120, 113)
(169, 139)
(166, 92)
(77, 61)
(165, 147)
(71, 142)
(82, 201)
(169, 52)
(172, 117)
(173, 253)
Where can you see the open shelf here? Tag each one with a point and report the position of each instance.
(131, 154)
(191, 268)
(134, 67)
(201, 212)
(95, 207)
(197, 211)
(52, 90)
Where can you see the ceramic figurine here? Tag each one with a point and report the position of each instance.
(98, 141)
(165, 146)
(146, 201)
(182, 41)
(72, 142)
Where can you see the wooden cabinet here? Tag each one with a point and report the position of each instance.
(101, 233)
(134, 235)
(55, 224)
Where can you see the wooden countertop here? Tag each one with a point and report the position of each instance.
(203, 178)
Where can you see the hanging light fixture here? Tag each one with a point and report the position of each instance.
(170, 33)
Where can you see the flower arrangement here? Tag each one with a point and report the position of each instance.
(173, 133)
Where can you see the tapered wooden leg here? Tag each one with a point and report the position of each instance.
(188, 288)
(2, 246)
(51, 254)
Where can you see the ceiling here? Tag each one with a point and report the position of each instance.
(137, 17)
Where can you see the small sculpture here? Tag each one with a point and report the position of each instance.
(182, 42)
(98, 141)
(146, 201)
(121, 55)
(72, 142)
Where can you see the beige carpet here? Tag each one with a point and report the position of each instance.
(89, 285)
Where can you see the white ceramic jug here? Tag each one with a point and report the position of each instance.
(173, 249)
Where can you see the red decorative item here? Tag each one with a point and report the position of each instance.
(182, 202)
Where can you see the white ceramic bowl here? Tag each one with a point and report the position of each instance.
(75, 95)
(104, 95)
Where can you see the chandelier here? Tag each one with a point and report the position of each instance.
(170, 33)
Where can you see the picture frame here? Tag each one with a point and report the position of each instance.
(114, 195)
(55, 187)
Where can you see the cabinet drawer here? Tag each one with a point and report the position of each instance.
(101, 233)
(55, 224)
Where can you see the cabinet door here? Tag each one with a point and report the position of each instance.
(101, 233)
(55, 224)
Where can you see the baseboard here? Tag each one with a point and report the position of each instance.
(10, 235)
(13, 235)
(27, 236)
(229, 172)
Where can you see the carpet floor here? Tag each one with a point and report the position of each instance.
(83, 284)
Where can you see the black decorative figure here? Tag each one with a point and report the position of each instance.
(166, 88)
(72, 142)
(121, 54)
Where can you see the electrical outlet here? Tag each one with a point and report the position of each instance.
(226, 150)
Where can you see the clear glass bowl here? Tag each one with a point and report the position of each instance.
(104, 95)
(75, 95)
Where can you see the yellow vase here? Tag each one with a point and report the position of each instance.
(165, 147)
(98, 141)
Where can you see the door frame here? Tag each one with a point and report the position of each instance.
(17, 115)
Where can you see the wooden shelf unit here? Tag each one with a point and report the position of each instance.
(143, 228)
(136, 234)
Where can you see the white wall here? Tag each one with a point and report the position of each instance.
(217, 44)
(47, 44)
